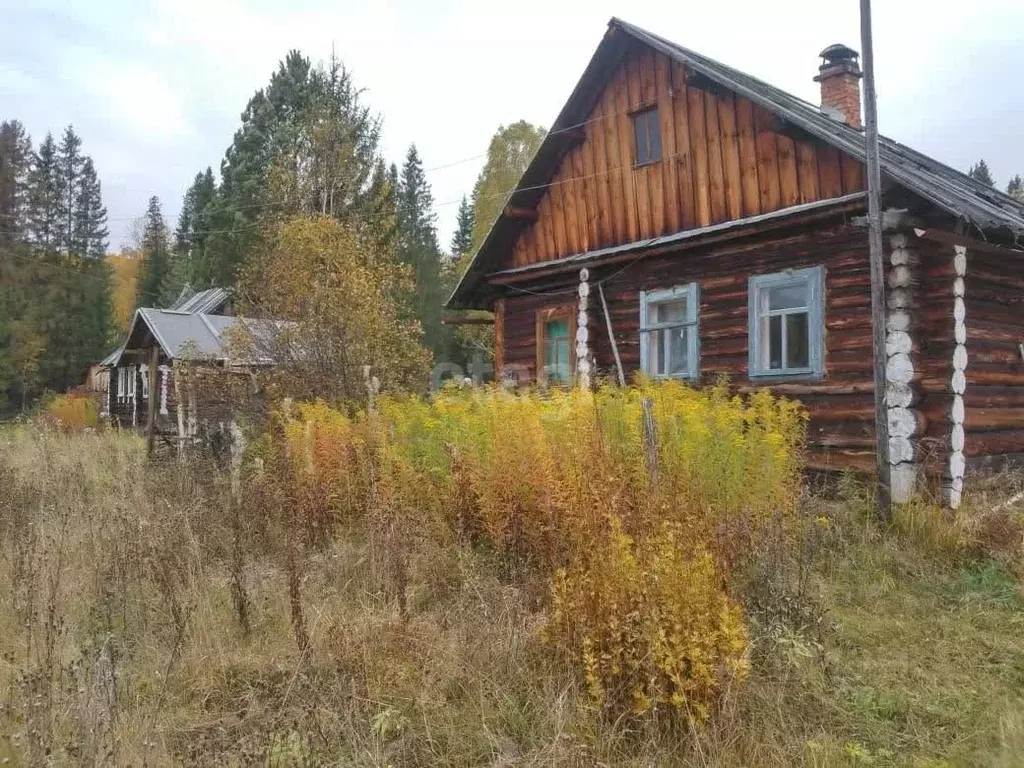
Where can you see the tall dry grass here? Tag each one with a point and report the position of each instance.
(149, 616)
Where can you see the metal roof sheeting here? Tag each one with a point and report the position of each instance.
(206, 301)
(949, 189)
(197, 336)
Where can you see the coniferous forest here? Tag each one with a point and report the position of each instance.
(55, 283)
(307, 147)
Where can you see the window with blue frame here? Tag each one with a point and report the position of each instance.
(556, 331)
(786, 317)
(668, 332)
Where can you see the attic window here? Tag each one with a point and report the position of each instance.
(647, 132)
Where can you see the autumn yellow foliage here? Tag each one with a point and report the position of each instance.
(638, 533)
(125, 267)
(72, 411)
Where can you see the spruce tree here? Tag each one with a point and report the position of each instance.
(418, 247)
(69, 176)
(1015, 188)
(155, 256)
(979, 172)
(43, 223)
(15, 165)
(462, 240)
(191, 233)
(90, 216)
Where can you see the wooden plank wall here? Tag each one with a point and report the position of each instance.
(841, 431)
(722, 161)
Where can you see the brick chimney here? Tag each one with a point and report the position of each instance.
(840, 76)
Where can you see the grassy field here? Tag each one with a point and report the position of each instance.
(146, 620)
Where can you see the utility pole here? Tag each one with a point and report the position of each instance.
(883, 494)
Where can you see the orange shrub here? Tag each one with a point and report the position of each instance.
(72, 411)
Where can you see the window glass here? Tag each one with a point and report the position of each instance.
(774, 342)
(788, 296)
(647, 136)
(556, 351)
(654, 134)
(797, 341)
(667, 312)
(786, 323)
(668, 332)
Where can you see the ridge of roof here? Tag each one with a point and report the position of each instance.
(943, 186)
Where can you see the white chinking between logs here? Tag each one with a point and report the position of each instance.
(584, 361)
(904, 421)
(958, 382)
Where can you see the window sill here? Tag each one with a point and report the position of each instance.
(769, 377)
(648, 164)
(672, 377)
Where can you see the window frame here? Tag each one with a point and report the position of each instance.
(814, 278)
(691, 291)
(646, 113)
(565, 312)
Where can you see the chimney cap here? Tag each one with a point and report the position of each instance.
(837, 53)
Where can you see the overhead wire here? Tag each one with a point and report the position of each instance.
(432, 169)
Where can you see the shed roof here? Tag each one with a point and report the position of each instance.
(949, 189)
(209, 300)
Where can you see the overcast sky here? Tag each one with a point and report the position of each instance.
(156, 89)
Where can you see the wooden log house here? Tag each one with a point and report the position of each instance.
(155, 376)
(687, 220)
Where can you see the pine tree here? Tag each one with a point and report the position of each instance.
(418, 247)
(44, 225)
(69, 177)
(155, 256)
(979, 172)
(462, 240)
(1015, 188)
(15, 165)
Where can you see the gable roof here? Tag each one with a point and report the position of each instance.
(949, 189)
(193, 335)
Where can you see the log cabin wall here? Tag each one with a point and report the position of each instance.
(723, 158)
(933, 342)
(994, 397)
(840, 404)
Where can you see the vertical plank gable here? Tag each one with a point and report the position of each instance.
(666, 115)
(789, 182)
(747, 133)
(684, 158)
(640, 175)
(626, 153)
(716, 168)
(767, 160)
(699, 153)
(721, 160)
(731, 157)
(807, 170)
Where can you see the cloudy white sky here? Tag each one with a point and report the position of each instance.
(156, 88)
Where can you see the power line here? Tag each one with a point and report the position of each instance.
(496, 196)
(432, 169)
